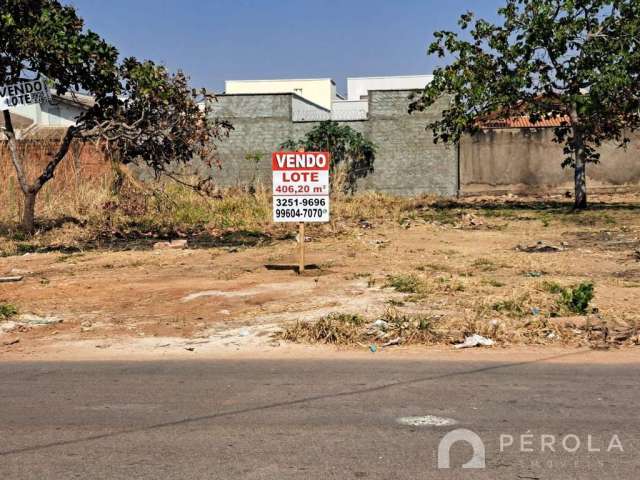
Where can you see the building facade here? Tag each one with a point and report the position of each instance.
(321, 91)
(514, 157)
(359, 87)
(50, 118)
(407, 161)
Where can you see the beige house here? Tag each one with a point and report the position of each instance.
(321, 91)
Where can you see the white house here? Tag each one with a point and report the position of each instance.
(46, 119)
(356, 106)
(358, 87)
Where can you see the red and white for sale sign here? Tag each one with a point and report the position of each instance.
(300, 186)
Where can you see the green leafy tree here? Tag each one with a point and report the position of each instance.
(142, 113)
(351, 152)
(576, 60)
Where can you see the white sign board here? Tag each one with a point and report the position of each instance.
(300, 186)
(24, 93)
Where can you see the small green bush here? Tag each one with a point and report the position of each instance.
(405, 283)
(511, 307)
(577, 298)
(335, 328)
(350, 318)
(485, 265)
(7, 311)
(552, 287)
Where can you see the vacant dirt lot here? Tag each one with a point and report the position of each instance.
(464, 263)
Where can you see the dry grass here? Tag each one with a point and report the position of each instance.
(335, 328)
(406, 283)
(72, 190)
(78, 208)
(74, 197)
(534, 313)
(420, 287)
(82, 209)
(348, 329)
(370, 206)
(449, 270)
(397, 328)
(401, 328)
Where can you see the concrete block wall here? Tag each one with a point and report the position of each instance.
(407, 162)
(525, 161)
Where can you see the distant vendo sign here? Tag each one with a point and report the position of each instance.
(24, 93)
(301, 186)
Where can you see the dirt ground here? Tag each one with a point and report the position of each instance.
(467, 253)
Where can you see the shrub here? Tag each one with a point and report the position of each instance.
(405, 283)
(7, 311)
(511, 307)
(552, 287)
(577, 298)
(335, 328)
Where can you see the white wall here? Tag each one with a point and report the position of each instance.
(28, 111)
(347, 110)
(59, 114)
(56, 114)
(359, 86)
(341, 111)
(320, 91)
(302, 110)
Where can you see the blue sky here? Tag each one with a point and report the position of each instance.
(215, 40)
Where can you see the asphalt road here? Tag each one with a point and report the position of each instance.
(311, 419)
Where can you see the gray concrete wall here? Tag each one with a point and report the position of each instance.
(528, 161)
(407, 162)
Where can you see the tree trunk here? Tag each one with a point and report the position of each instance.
(30, 191)
(580, 167)
(28, 213)
(27, 223)
(580, 176)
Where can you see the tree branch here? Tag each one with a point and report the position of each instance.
(49, 170)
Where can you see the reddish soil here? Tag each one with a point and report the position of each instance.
(111, 296)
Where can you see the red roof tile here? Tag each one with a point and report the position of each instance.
(524, 122)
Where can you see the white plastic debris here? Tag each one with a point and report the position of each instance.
(7, 327)
(37, 320)
(381, 324)
(395, 341)
(476, 341)
(426, 421)
(172, 245)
